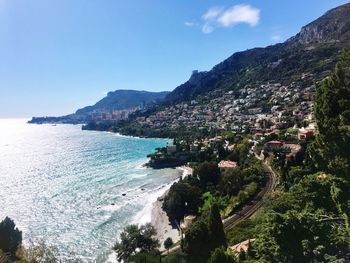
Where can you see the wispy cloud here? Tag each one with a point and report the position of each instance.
(226, 17)
(207, 28)
(212, 13)
(190, 24)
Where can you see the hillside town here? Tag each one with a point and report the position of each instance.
(257, 110)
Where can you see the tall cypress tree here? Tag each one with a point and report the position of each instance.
(216, 228)
(330, 151)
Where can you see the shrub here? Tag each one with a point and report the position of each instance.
(10, 236)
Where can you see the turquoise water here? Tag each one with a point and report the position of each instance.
(65, 186)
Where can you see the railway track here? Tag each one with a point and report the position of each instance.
(249, 209)
(253, 206)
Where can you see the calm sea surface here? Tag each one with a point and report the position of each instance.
(65, 186)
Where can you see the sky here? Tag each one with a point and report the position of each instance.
(59, 55)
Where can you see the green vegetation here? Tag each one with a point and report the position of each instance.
(208, 174)
(12, 251)
(330, 150)
(10, 237)
(168, 243)
(204, 236)
(136, 240)
(183, 199)
(229, 189)
(220, 255)
(308, 219)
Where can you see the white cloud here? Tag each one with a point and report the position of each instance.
(190, 24)
(212, 13)
(240, 14)
(276, 37)
(221, 17)
(207, 28)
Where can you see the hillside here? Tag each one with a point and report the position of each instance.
(114, 101)
(124, 99)
(313, 50)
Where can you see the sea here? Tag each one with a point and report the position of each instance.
(76, 190)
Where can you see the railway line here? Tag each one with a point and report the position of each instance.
(253, 206)
(249, 209)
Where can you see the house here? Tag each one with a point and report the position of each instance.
(305, 134)
(242, 247)
(227, 164)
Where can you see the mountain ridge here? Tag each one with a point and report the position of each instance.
(122, 99)
(326, 34)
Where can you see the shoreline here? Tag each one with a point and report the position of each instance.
(159, 218)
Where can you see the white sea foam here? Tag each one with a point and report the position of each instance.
(61, 183)
(144, 216)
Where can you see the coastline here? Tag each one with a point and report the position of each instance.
(159, 218)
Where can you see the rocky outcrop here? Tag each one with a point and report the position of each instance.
(333, 26)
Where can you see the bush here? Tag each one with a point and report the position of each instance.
(39, 253)
(168, 243)
(136, 239)
(219, 255)
(10, 237)
(182, 199)
(208, 173)
(175, 258)
(205, 235)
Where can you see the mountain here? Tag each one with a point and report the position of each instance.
(314, 50)
(334, 26)
(115, 100)
(124, 99)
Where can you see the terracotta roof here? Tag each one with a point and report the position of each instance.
(227, 164)
(243, 246)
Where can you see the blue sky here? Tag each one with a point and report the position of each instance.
(59, 55)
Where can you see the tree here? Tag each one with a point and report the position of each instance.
(330, 151)
(136, 239)
(219, 255)
(208, 173)
(183, 198)
(231, 181)
(146, 257)
(204, 236)
(168, 243)
(216, 228)
(10, 236)
(196, 242)
(177, 257)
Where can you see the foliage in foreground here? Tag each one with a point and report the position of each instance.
(135, 239)
(309, 221)
(204, 236)
(10, 237)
